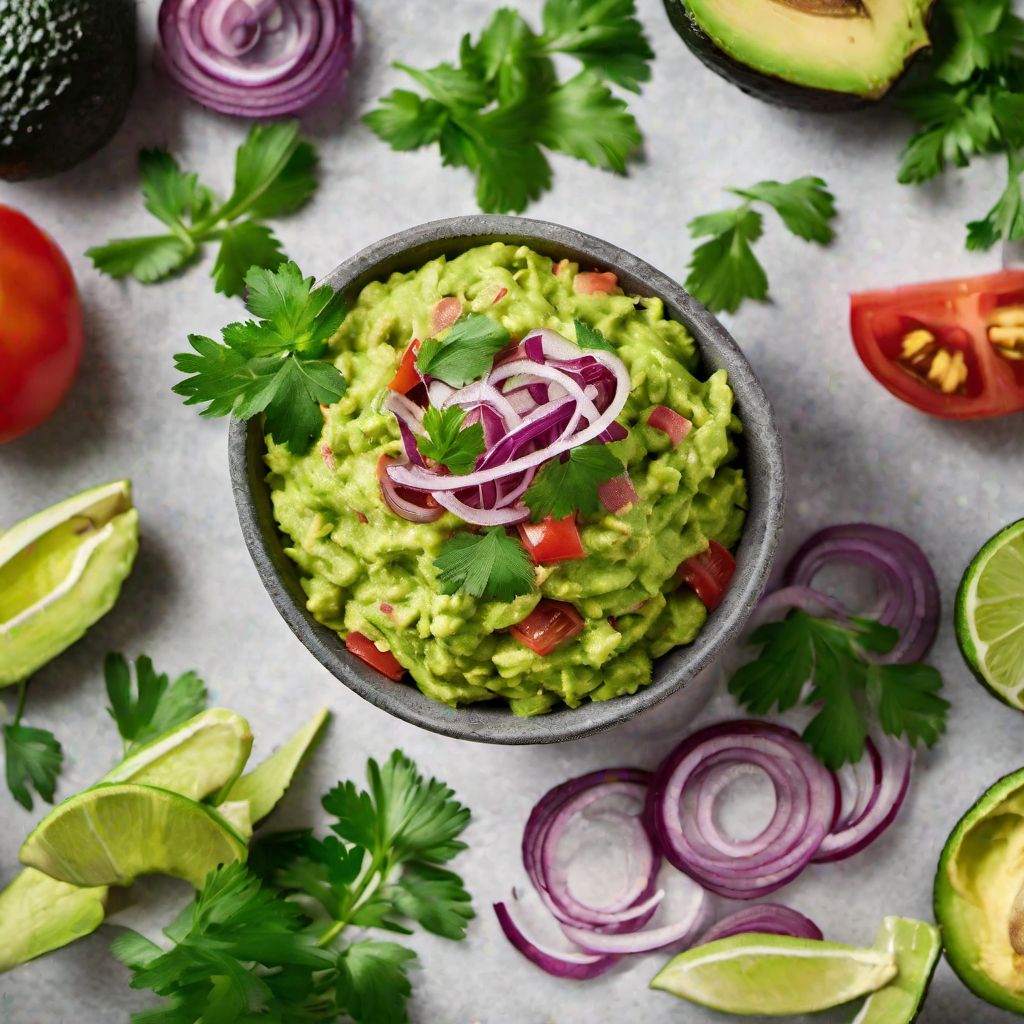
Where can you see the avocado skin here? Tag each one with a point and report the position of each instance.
(772, 90)
(62, 98)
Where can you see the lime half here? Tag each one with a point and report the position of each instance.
(990, 615)
(111, 834)
(916, 945)
(774, 975)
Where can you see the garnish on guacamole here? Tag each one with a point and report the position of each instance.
(580, 474)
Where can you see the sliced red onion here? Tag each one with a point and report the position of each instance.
(680, 811)
(256, 58)
(618, 494)
(509, 516)
(908, 593)
(408, 505)
(763, 919)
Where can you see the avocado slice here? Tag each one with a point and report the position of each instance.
(67, 74)
(822, 55)
(979, 895)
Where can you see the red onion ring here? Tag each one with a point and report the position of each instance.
(403, 504)
(764, 919)
(909, 599)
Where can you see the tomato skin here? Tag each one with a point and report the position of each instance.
(366, 650)
(956, 311)
(590, 282)
(548, 626)
(406, 376)
(41, 329)
(552, 540)
(669, 422)
(709, 574)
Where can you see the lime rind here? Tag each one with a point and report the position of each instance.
(916, 945)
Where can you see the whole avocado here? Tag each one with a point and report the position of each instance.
(67, 73)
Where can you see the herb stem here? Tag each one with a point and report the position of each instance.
(22, 696)
(375, 873)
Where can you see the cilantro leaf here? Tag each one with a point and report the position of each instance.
(273, 366)
(33, 758)
(242, 246)
(434, 897)
(1006, 219)
(406, 121)
(591, 337)
(170, 194)
(805, 205)
(447, 442)
(467, 352)
(148, 259)
(986, 32)
(491, 566)
(906, 700)
(157, 705)
(724, 271)
(373, 985)
(275, 173)
(570, 484)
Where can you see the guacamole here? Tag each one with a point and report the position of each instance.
(366, 570)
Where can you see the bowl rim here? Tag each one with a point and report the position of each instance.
(493, 723)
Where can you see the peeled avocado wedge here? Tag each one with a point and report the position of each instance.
(60, 571)
(820, 55)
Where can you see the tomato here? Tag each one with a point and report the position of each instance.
(445, 313)
(709, 574)
(548, 626)
(668, 421)
(592, 283)
(406, 376)
(953, 349)
(366, 650)
(41, 332)
(552, 540)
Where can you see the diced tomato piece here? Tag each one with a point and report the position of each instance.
(446, 312)
(669, 422)
(501, 294)
(592, 283)
(548, 626)
(618, 493)
(709, 574)
(406, 376)
(366, 650)
(552, 540)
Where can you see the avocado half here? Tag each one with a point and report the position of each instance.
(979, 895)
(819, 55)
(67, 74)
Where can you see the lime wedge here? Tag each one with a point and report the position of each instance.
(60, 571)
(916, 945)
(264, 786)
(990, 615)
(202, 756)
(774, 975)
(238, 814)
(38, 914)
(112, 833)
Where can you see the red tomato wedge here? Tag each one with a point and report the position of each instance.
(41, 332)
(366, 650)
(592, 283)
(548, 626)
(668, 421)
(552, 540)
(445, 313)
(709, 574)
(953, 349)
(406, 376)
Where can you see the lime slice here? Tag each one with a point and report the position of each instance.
(916, 945)
(38, 914)
(238, 814)
(202, 756)
(60, 571)
(990, 615)
(264, 786)
(112, 833)
(774, 975)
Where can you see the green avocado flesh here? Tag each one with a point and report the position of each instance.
(858, 47)
(978, 895)
(457, 648)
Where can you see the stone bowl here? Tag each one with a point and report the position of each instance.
(494, 723)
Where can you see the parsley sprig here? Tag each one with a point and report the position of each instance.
(490, 565)
(466, 352)
(570, 484)
(33, 757)
(848, 689)
(447, 441)
(502, 105)
(273, 940)
(275, 174)
(274, 365)
(724, 271)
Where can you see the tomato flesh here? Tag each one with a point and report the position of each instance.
(669, 422)
(366, 650)
(548, 626)
(709, 574)
(406, 376)
(552, 540)
(41, 330)
(956, 314)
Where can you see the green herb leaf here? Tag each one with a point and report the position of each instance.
(491, 566)
(724, 271)
(1006, 219)
(907, 702)
(148, 259)
(447, 442)
(170, 194)
(563, 487)
(33, 758)
(466, 353)
(242, 246)
(405, 121)
(805, 205)
(591, 337)
(434, 897)
(373, 984)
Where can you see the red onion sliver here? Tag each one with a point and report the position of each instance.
(763, 919)
(401, 503)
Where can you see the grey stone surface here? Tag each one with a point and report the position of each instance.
(853, 453)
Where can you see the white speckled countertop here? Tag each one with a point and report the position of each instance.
(194, 600)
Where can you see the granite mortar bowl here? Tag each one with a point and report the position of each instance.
(494, 722)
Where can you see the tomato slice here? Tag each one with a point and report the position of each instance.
(668, 421)
(406, 376)
(552, 540)
(548, 626)
(709, 574)
(366, 650)
(931, 346)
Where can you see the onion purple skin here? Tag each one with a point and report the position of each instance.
(763, 919)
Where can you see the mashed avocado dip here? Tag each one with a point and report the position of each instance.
(369, 571)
